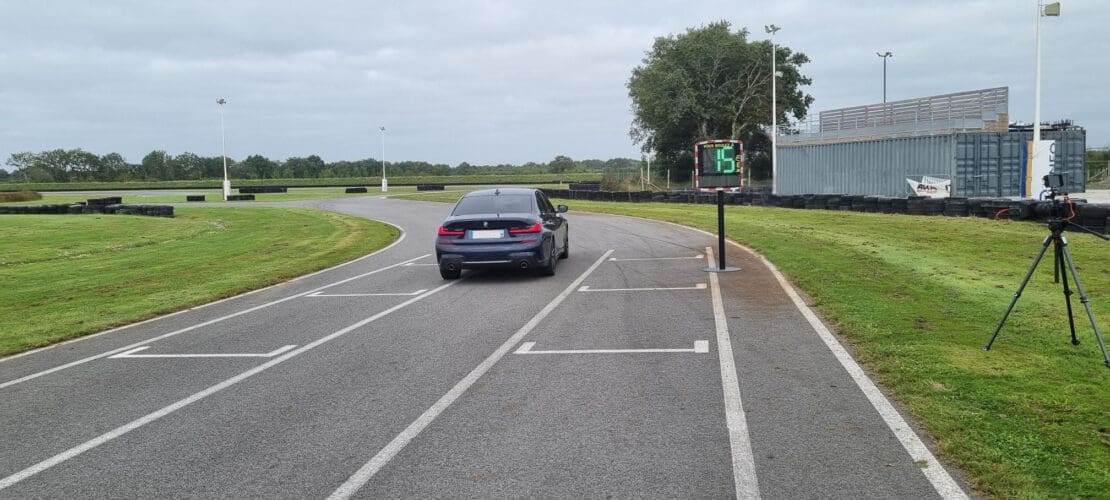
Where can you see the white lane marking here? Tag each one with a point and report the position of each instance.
(700, 347)
(131, 354)
(194, 327)
(699, 286)
(135, 424)
(933, 470)
(363, 474)
(614, 259)
(743, 462)
(244, 294)
(318, 294)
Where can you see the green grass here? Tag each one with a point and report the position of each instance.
(918, 297)
(67, 276)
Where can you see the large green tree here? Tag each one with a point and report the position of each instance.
(710, 83)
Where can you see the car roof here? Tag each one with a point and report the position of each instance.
(497, 191)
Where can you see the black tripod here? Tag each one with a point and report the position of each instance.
(1062, 257)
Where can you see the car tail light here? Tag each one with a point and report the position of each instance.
(533, 229)
(448, 232)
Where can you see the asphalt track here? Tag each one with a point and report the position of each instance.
(631, 373)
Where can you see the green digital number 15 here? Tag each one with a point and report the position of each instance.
(724, 156)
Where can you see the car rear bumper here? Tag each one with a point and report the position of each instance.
(484, 256)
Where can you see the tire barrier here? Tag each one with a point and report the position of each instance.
(1094, 217)
(585, 186)
(194, 197)
(87, 208)
(240, 197)
(111, 200)
(430, 187)
(263, 189)
(355, 190)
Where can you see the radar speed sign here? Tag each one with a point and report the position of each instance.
(719, 163)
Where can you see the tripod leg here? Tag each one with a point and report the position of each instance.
(1061, 244)
(1017, 294)
(1086, 304)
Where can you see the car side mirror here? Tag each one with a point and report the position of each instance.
(562, 209)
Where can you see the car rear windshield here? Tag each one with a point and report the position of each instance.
(495, 204)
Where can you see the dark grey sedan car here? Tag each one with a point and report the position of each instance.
(507, 227)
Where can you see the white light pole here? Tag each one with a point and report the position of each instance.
(772, 29)
(223, 140)
(884, 55)
(385, 184)
(1052, 9)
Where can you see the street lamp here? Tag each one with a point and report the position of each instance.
(1052, 9)
(884, 55)
(223, 139)
(385, 184)
(772, 29)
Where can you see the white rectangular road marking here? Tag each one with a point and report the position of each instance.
(131, 354)
(743, 462)
(700, 347)
(318, 294)
(614, 259)
(363, 474)
(200, 325)
(699, 286)
(135, 424)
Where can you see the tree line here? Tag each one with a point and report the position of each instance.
(76, 165)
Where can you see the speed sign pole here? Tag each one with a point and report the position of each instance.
(717, 167)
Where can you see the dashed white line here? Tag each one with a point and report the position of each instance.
(364, 473)
(135, 424)
(132, 354)
(699, 286)
(196, 326)
(700, 347)
(614, 259)
(399, 294)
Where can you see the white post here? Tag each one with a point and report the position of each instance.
(772, 29)
(649, 167)
(223, 141)
(1037, 83)
(1037, 86)
(385, 184)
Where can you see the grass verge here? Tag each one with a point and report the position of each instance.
(67, 276)
(917, 298)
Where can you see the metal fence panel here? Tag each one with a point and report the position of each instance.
(979, 164)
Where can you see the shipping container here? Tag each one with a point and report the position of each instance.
(979, 164)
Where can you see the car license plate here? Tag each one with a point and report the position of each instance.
(487, 234)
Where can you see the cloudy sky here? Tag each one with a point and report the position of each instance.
(483, 82)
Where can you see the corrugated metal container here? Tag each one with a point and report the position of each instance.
(982, 164)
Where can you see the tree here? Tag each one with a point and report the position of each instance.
(560, 165)
(710, 83)
(258, 166)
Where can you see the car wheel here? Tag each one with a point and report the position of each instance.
(566, 247)
(552, 261)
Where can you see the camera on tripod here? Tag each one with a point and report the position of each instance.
(1054, 184)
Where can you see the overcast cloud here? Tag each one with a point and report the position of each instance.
(483, 82)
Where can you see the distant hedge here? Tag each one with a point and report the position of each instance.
(11, 196)
(332, 182)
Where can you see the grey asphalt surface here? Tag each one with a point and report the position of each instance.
(299, 424)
